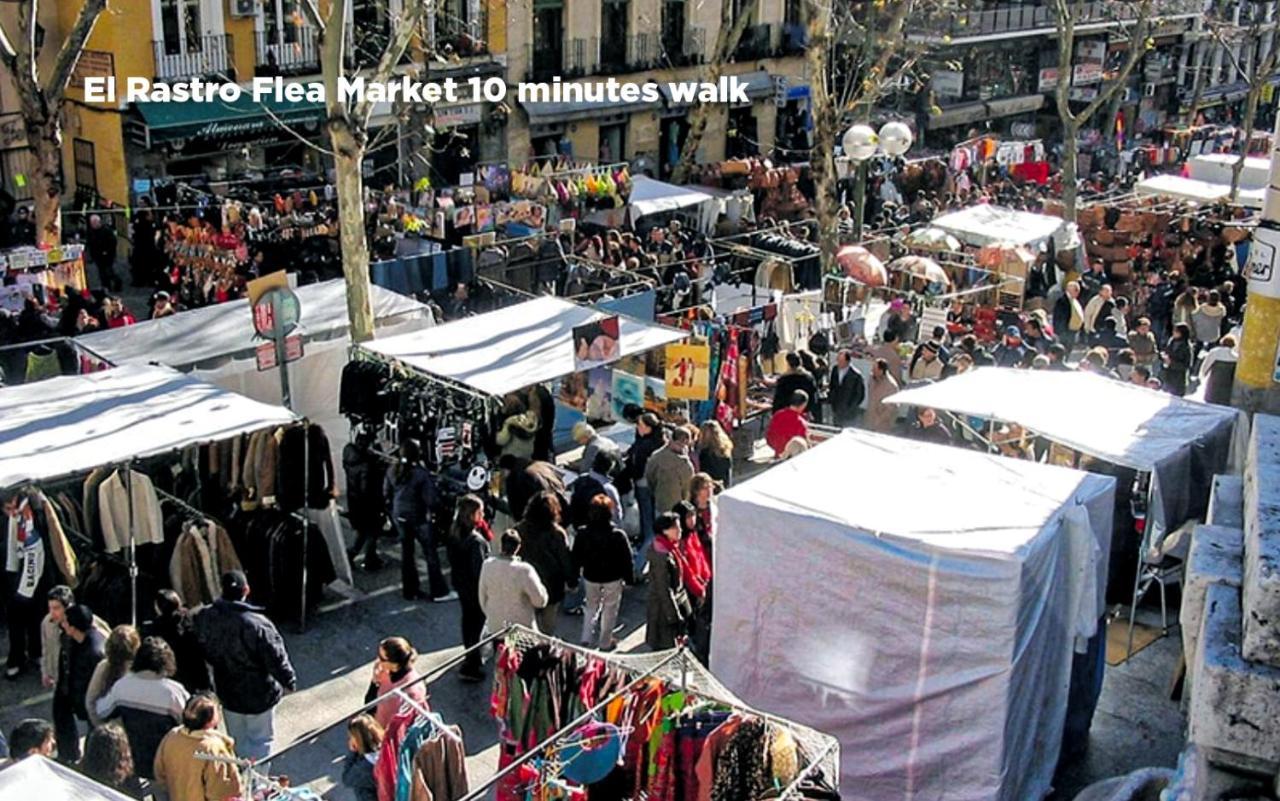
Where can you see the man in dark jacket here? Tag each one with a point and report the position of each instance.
(251, 669)
(83, 647)
(795, 378)
(467, 551)
(847, 390)
(525, 479)
(650, 437)
(101, 242)
(366, 472)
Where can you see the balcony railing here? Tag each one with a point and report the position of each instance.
(196, 57)
(608, 56)
(757, 42)
(463, 38)
(1026, 18)
(292, 51)
(687, 49)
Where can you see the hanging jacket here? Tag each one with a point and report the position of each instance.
(320, 479)
(365, 473)
(201, 555)
(55, 541)
(439, 770)
(115, 512)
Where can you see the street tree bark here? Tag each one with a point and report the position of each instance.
(727, 40)
(1072, 122)
(41, 100)
(348, 126)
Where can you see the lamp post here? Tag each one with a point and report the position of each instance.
(861, 142)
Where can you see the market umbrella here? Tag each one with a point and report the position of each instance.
(933, 239)
(919, 266)
(862, 265)
(998, 254)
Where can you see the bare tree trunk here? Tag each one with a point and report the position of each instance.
(826, 120)
(1070, 166)
(1197, 94)
(44, 137)
(726, 43)
(348, 161)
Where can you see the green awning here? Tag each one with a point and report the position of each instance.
(219, 121)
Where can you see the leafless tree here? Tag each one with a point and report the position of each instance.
(40, 100)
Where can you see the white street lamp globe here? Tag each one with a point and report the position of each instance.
(896, 138)
(860, 142)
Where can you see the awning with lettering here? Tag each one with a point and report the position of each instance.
(244, 120)
(544, 113)
(967, 113)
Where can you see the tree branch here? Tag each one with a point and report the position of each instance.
(8, 56)
(312, 12)
(67, 57)
(401, 33)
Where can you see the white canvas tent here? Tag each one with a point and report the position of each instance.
(73, 424)
(1196, 191)
(987, 225)
(1217, 168)
(919, 602)
(512, 348)
(649, 196)
(1182, 443)
(37, 777)
(216, 344)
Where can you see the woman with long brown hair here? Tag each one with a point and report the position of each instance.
(715, 452)
(394, 670)
(121, 647)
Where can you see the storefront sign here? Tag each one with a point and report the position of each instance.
(688, 372)
(1048, 80)
(1092, 50)
(948, 83)
(93, 64)
(1085, 74)
(457, 116)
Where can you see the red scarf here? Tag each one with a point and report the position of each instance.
(689, 578)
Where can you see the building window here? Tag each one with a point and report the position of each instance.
(613, 143)
(15, 162)
(673, 22)
(85, 164)
(613, 35)
(741, 139)
(548, 38)
(181, 26)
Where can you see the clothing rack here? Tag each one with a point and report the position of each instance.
(426, 678)
(361, 353)
(435, 719)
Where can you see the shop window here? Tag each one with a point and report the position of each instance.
(742, 137)
(673, 22)
(613, 35)
(16, 166)
(85, 164)
(181, 26)
(613, 143)
(282, 20)
(548, 39)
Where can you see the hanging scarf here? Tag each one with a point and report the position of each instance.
(26, 550)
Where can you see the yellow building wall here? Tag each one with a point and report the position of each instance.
(497, 33)
(585, 136)
(103, 128)
(642, 134)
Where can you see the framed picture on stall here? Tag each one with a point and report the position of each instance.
(596, 343)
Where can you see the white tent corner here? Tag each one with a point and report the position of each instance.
(650, 196)
(38, 777)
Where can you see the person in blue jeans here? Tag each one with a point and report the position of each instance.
(650, 436)
(411, 495)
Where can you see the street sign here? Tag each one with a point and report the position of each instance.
(277, 312)
(266, 352)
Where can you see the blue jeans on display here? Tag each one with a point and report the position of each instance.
(644, 501)
(421, 534)
(255, 735)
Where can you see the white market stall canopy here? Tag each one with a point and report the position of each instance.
(1217, 168)
(1196, 191)
(37, 777)
(986, 225)
(1135, 427)
(649, 196)
(515, 347)
(226, 329)
(926, 611)
(73, 424)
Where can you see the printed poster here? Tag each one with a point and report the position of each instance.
(688, 373)
(627, 390)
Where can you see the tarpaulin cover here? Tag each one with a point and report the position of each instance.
(515, 347)
(985, 225)
(1184, 443)
(72, 424)
(649, 196)
(42, 778)
(919, 602)
(1218, 167)
(225, 330)
(1196, 191)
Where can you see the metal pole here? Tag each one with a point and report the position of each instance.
(1257, 381)
(306, 521)
(567, 729)
(133, 548)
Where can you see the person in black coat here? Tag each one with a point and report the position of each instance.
(366, 509)
(468, 548)
(101, 244)
(602, 555)
(251, 669)
(1177, 360)
(795, 378)
(847, 391)
(411, 495)
(174, 625)
(83, 647)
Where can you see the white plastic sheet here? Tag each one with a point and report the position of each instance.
(39, 778)
(986, 225)
(920, 602)
(654, 197)
(1196, 191)
(76, 423)
(515, 347)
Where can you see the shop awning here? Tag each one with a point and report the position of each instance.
(544, 113)
(759, 84)
(225, 330)
(218, 121)
(968, 113)
(73, 424)
(512, 348)
(986, 225)
(1199, 192)
(649, 196)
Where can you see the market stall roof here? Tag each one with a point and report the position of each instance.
(933, 638)
(1217, 168)
(1195, 191)
(1128, 425)
(42, 778)
(226, 329)
(515, 347)
(985, 224)
(71, 424)
(650, 196)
